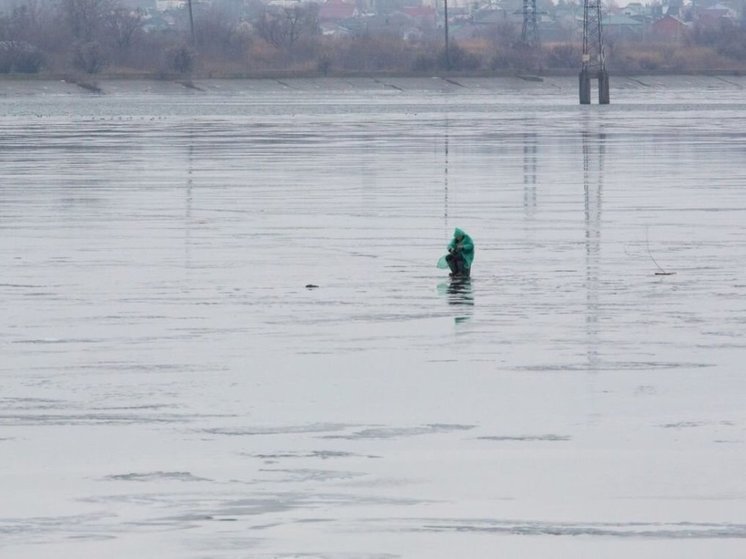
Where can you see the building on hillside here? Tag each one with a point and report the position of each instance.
(144, 5)
(634, 9)
(423, 16)
(332, 29)
(485, 21)
(166, 5)
(553, 31)
(668, 28)
(336, 11)
(622, 27)
(159, 22)
(714, 16)
(396, 24)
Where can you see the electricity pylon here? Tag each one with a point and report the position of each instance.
(530, 31)
(594, 60)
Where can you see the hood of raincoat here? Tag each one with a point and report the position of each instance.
(465, 245)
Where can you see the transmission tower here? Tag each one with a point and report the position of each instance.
(530, 31)
(594, 60)
(191, 22)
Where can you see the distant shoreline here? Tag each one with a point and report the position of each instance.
(91, 80)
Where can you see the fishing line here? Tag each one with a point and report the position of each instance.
(661, 271)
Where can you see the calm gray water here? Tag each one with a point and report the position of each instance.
(170, 388)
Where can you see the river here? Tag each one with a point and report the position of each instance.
(224, 334)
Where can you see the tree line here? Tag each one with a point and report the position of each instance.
(95, 36)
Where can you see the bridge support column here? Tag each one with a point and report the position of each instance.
(603, 87)
(584, 87)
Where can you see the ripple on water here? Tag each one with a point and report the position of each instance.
(631, 530)
(397, 432)
(155, 476)
(275, 430)
(525, 438)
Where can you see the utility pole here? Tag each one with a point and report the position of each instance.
(191, 22)
(448, 50)
(594, 59)
(530, 30)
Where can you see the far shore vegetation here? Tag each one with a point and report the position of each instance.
(250, 38)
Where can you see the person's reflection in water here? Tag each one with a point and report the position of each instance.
(461, 295)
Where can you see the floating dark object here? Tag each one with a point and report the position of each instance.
(529, 78)
(311, 286)
(88, 86)
(664, 273)
(189, 84)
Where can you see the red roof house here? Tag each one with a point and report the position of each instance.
(423, 15)
(336, 10)
(668, 28)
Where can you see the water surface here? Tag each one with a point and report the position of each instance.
(171, 387)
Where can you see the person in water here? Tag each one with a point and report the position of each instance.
(460, 254)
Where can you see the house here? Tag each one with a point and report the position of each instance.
(331, 29)
(423, 16)
(714, 16)
(138, 4)
(396, 23)
(634, 9)
(166, 5)
(668, 28)
(489, 17)
(159, 22)
(336, 10)
(622, 27)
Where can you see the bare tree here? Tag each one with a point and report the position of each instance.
(85, 18)
(23, 23)
(284, 28)
(20, 56)
(90, 57)
(32, 23)
(122, 26)
(217, 33)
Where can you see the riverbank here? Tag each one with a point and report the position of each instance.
(32, 97)
(83, 79)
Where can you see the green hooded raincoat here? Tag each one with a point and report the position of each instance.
(465, 246)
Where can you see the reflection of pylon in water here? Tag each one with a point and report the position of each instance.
(594, 151)
(594, 60)
(529, 173)
(530, 31)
